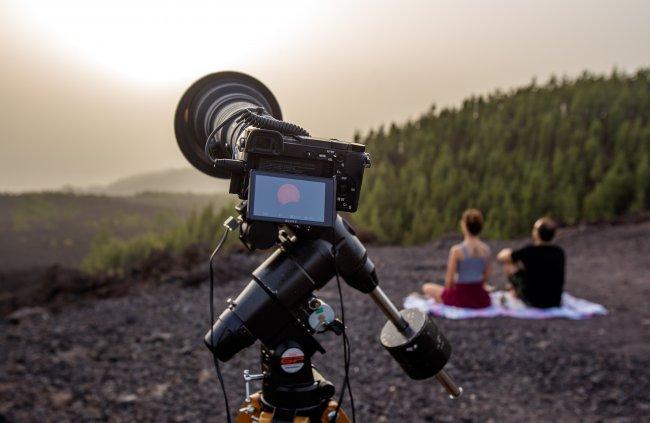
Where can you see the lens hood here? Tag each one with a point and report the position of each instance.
(204, 104)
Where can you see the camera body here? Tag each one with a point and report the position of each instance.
(274, 152)
(229, 125)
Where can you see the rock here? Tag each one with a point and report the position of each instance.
(187, 349)
(597, 378)
(197, 275)
(27, 313)
(158, 391)
(92, 413)
(159, 336)
(175, 276)
(73, 355)
(62, 399)
(7, 387)
(127, 398)
(204, 376)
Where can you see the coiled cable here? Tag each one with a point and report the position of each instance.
(260, 119)
(256, 117)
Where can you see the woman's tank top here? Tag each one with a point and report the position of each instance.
(471, 269)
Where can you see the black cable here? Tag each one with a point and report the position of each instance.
(347, 355)
(346, 344)
(237, 114)
(214, 356)
(257, 118)
(348, 382)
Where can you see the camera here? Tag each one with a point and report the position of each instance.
(229, 125)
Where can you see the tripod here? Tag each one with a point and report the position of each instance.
(278, 307)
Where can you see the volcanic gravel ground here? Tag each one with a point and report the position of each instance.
(140, 357)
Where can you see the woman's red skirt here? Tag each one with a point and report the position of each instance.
(466, 295)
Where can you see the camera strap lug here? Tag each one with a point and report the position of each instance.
(232, 223)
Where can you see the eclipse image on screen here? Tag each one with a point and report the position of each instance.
(290, 198)
(288, 193)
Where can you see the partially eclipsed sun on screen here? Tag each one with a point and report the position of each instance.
(288, 193)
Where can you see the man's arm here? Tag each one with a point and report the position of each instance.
(511, 260)
(505, 255)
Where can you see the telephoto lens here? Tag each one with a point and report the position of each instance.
(212, 102)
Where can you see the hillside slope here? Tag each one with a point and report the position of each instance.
(186, 180)
(40, 229)
(578, 150)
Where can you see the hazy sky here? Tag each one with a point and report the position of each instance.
(88, 88)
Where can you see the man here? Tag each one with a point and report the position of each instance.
(536, 271)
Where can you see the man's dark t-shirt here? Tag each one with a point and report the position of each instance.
(541, 283)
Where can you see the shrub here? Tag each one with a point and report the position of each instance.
(113, 255)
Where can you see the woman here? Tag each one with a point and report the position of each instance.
(468, 268)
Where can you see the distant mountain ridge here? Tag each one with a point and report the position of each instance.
(186, 180)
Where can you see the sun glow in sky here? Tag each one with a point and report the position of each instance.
(88, 88)
(157, 42)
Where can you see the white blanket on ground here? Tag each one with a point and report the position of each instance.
(504, 304)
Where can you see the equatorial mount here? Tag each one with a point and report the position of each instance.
(278, 308)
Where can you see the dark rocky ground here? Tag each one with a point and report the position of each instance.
(140, 356)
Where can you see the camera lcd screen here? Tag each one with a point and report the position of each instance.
(288, 198)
